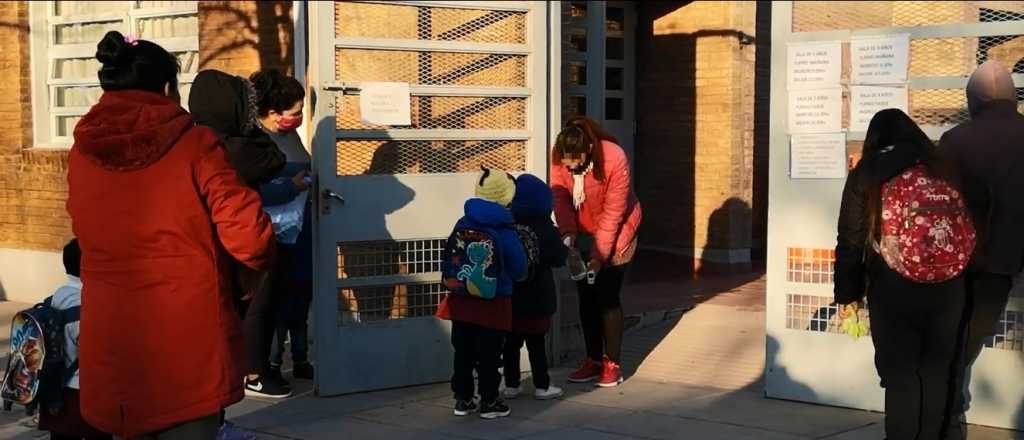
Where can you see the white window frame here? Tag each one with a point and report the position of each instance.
(45, 53)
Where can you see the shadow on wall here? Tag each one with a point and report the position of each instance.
(265, 27)
(728, 244)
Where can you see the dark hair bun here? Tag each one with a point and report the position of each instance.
(113, 50)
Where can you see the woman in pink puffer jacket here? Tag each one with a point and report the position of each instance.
(598, 212)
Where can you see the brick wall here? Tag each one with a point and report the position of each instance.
(241, 37)
(238, 37)
(32, 182)
(695, 153)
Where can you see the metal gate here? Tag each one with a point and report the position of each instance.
(389, 195)
(808, 359)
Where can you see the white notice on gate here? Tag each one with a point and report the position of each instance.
(384, 103)
(815, 111)
(814, 65)
(879, 60)
(865, 101)
(817, 156)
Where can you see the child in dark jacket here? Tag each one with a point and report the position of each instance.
(479, 325)
(534, 301)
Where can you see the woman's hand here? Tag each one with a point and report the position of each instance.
(300, 181)
(594, 266)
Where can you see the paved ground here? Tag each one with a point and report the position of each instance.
(696, 375)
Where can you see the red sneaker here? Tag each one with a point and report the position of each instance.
(611, 374)
(587, 372)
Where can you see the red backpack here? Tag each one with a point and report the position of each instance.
(927, 233)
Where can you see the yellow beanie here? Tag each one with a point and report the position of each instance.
(498, 187)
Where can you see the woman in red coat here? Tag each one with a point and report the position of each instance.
(599, 214)
(159, 214)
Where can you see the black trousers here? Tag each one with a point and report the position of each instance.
(987, 295)
(476, 348)
(915, 329)
(259, 320)
(596, 300)
(538, 360)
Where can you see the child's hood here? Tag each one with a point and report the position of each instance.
(533, 198)
(487, 213)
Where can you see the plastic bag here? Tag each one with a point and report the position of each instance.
(287, 218)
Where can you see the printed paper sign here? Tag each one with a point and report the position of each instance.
(818, 156)
(814, 65)
(385, 103)
(865, 101)
(879, 60)
(815, 111)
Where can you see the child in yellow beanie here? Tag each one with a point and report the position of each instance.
(482, 259)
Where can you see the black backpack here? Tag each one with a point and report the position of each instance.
(531, 244)
(36, 373)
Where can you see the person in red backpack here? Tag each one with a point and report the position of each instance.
(914, 324)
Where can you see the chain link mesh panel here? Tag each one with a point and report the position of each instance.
(381, 303)
(432, 68)
(960, 56)
(817, 16)
(428, 157)
(445, 112)
(363, 20)
(379, 258)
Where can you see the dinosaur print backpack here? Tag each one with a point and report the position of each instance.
(471, 264)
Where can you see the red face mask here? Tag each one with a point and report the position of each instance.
(289, 123)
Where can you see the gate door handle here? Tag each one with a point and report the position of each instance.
(328, 194)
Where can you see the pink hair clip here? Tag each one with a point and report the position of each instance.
(132, 41)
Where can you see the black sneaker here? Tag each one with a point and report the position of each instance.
(274, 372)
(267, 386)
(464, 407)
(494, 410)
(303, 371)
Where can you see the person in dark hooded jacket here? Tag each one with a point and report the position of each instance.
(534, 299)
(229, 105)
(914, 326)
(989, 150)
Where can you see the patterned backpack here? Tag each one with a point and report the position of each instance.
(927, 233)
(36, 373)
(471, 264)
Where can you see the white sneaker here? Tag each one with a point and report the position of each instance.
(511, 393)
(552, 392)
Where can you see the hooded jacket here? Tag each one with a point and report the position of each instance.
(493, 313)
(854, 255)
(611, 212)
(226, 104)
(160, 216)
(989, 150)
(534, 301)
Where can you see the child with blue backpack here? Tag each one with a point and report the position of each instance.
(482, 260)
(67, 423)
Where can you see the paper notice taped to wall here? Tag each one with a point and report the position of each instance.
(817, 156)
(865, 101)
(385, 103)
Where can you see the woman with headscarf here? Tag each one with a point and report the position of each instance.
(229, 105)
(914, 324)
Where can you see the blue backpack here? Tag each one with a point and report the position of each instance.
(472, 264)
